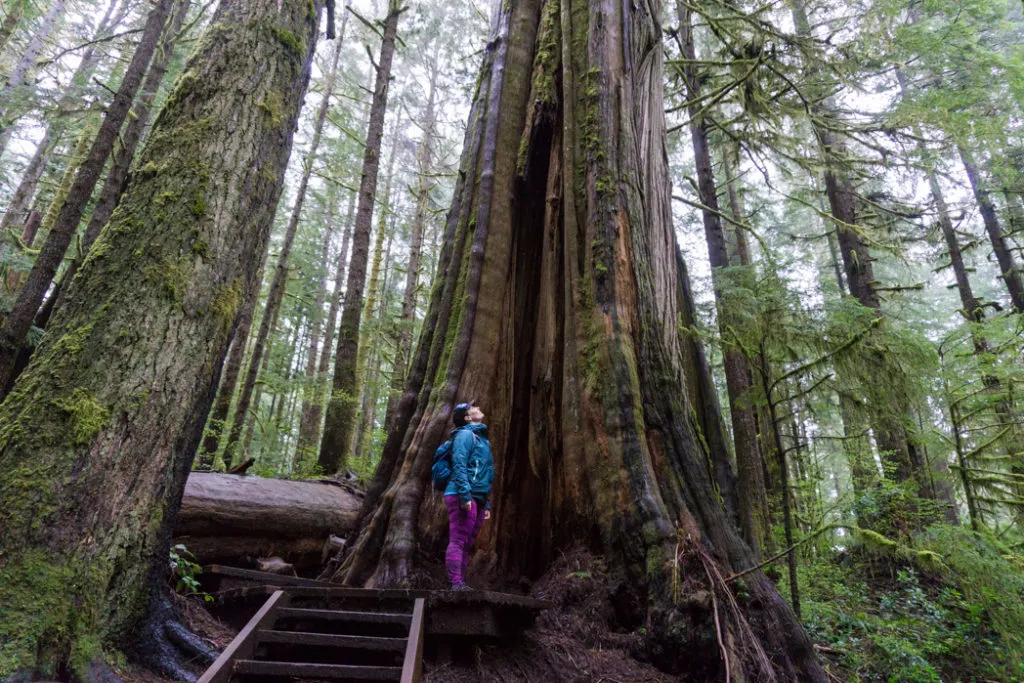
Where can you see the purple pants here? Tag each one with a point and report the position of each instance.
(463, 527)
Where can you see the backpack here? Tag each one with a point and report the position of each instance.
(441, 471)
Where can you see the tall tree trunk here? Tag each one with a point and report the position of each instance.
(309, 387)
(18, 210)
(17, 86)
(117, 177)
(280, 280)
(1009, 271)
(309, 431)
(342, 405)
(890, 426)
(412, 272)
(17, 323)
(370, 325)
(98, 435)
(372, 378)
(28, 236)
(755, 522)
(250, 417)
(558, 309)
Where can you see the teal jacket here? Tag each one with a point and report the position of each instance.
(472, 465)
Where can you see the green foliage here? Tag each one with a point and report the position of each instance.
(185, 573)
(882, 620)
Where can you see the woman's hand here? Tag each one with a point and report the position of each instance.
(487, 514)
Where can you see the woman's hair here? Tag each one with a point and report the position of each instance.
(459, 414)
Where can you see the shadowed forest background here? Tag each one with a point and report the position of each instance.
(738, 285)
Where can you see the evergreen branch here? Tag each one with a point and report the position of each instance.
(800, 369)
(113, 36)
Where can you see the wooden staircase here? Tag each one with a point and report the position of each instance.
(338, 635)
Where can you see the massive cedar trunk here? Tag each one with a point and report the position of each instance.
(341, 409)
(19, 320)
(97, 437)
(557, 306)
(755, 522)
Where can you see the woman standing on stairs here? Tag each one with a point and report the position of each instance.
(468, 494)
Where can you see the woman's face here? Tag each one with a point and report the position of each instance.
(474, 414)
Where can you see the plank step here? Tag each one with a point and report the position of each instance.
(303, 670)
(332, 640)
(344, 615)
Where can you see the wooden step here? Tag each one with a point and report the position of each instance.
(344, 615)
(318, 671)
(331, 640)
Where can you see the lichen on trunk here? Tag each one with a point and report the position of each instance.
(97, 436)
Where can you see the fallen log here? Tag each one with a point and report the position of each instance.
(236, 519)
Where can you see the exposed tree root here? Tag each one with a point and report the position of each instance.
(168, 648)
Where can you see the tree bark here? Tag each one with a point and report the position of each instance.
(755, 522)
(1008, 269)
(18, 210)
(280, 280)
(18, 322)
(341, 408)
(558, 309)
(98, 435)
(117, 177)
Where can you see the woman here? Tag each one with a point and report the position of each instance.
(468, 494)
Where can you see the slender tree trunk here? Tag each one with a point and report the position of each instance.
(558, 309)
(17, 87)
(17, 323)
(117, 177)
(371, 388)
(98, 435)
(755, 522)
(309, 430)
(1009, 271)
(280, 280)
(250, 417)
(412, 272)
(28, 236)
(342, 405)
(18, 210)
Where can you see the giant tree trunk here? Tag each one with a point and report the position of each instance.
(97, 437)
(755, 522)
(557, 307)
(18, 322)
(341, 409)
(117, 176)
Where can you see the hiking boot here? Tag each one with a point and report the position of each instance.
(460, 587)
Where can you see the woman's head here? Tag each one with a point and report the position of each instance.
(467, 412)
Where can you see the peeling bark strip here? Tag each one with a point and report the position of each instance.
(556, 306)
(99, 431)
(341, 409)
(19, 320)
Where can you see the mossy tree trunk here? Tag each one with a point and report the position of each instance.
(755, 522)
(280, 280)
(18, 321)
(558, 306)
(117, 176)
(341, 408)
(97, 437)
